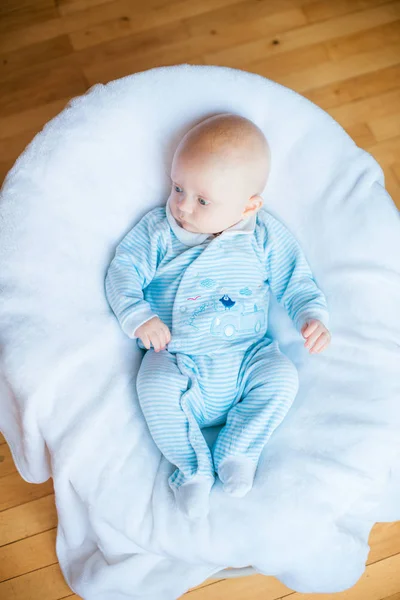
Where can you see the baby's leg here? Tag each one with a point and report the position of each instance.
(270, 384)
(169, 400)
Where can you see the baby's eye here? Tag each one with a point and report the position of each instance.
(203, 202)
(177, 188)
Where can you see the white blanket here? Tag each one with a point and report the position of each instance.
(68, 406)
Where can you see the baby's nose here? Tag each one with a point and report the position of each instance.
(186, 206)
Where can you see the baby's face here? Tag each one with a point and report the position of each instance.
(207, 196)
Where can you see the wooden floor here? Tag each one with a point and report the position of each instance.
(344, 55)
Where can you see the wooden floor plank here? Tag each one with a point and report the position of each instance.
(262, 26)
(12, 147)
(344, 91)
(384, 541)
(292, 38)
(331, 71)
(44, 584)
(367, 109)
(13, 17)
(31, 119)
(66, 7)
(5, 167)
(385, 127)
(11, 41)
(13, 5)
(42, 84)
(126, 26)
(138, 16)
(15, 491)
(243, 13)
(28, 555)
(365, 41)
(7, 465)
(12, 63)
(361, 134)
(387, 151)
(285, 64)
(139, 44)
(27, 519)
(323, 10)
(206, 583)
(164, 43)
(396, 170)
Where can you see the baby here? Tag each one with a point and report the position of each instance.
(191, 282)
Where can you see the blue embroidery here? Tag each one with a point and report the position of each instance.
(196, 313)
(208, 283)
(246, 291)
(231, 323)
(227, 302)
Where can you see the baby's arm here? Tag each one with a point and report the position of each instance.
(131, 270)
(294, 286)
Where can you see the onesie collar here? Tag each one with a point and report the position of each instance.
(194, 239)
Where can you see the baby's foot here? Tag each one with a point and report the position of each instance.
(193, 497)
(237, 475)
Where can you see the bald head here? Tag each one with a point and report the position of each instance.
(218, 172)
(233, 142)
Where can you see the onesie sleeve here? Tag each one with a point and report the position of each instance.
(132, 269)
(290, 277)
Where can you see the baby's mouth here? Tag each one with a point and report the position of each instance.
(183, 223)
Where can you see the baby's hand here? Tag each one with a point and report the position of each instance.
(154, 333)
(317, 336)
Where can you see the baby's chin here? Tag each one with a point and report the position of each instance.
(194, 229)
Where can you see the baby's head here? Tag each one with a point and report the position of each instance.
(218, 172)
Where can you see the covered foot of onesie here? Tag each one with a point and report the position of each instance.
(237, 475)
(193, 497)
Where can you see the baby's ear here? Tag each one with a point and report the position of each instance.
(252, 206)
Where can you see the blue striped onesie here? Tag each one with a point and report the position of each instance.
(220, 367)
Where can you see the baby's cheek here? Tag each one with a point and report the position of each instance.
(212, 224)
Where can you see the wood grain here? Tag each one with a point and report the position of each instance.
(24, 520)
(343, 55)
(292, 38)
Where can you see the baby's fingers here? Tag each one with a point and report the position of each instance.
(156, 341)
(146, 341)
(312, 338)
(163, 337)
(168, 334)
(321, 343)
(309, 328)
